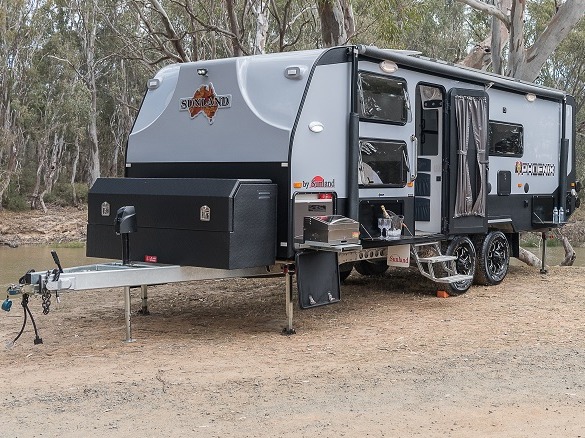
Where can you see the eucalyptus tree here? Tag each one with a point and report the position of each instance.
(337, 21)
(436, 29)
(20, 40)
(166, 31)
(526, 56)
(58, 101)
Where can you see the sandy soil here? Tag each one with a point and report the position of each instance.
(390, 360)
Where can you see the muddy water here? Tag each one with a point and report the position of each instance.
(14, 262)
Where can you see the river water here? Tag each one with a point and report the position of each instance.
(15, 262)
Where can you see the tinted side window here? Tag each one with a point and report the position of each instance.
(382, 98)
(383, 163)
(506, 139)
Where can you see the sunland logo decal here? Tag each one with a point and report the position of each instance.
(205, 101)
(318, 182)
(536, 169)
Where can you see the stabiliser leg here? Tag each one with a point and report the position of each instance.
(288, 275)
(543, 259)
(144, 298)
(127, 314)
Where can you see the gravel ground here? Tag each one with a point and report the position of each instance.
(390, 360)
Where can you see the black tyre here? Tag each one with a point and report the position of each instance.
(371, 268)
(493, 258)
(344, 271)
(463, 248)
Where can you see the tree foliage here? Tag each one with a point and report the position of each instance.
(73, 72)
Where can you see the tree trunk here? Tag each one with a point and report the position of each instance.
(94, 151)
(500, 36)
(558, 28)
(517, 53)
(260, 9)
(337, 21)
(52, 172)
(42, 147)
(74, 170)
(234, 28)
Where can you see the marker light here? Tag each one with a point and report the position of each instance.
(530, 97)
(316, 127)
(202, 71)
(388, 66)
(153, 83)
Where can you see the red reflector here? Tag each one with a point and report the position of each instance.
(150, 259)
(325, 196)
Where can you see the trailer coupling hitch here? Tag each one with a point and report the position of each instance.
(26, 288)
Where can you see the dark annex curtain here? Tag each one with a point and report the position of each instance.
(471, 116)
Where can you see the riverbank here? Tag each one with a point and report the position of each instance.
(60, 225)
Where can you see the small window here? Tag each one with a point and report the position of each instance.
(383, 163)
(383, 99)
(506, 139)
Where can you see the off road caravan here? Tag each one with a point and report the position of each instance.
(318, 162)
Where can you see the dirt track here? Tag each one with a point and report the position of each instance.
(390, 360)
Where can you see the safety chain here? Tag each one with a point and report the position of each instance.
(46, 297)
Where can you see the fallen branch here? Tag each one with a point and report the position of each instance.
(529, 258)
(570, 254)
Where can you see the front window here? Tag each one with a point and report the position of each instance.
(506, 139)
(383, 98)
(383, 163)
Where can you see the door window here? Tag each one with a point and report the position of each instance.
(383, 163)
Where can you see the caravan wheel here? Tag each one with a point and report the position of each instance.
(371, 268)
(463, 248)
(344, 271)
(493, 260)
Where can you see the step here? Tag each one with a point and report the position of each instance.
(426, 244)
(454, 278)
(437, 259)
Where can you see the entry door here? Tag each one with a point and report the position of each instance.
(468, 162)
(430, 103)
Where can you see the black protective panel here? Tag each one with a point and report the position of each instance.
(430, 122)
(504, 183)
(422, 209)
(317, 278)
(429, 143)
(422, 184)
(423, 164)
